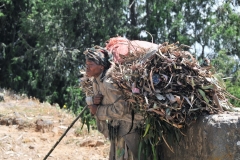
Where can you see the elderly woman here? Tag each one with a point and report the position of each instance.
(113, 115)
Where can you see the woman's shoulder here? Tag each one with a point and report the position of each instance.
(109, 84)
(108, 80)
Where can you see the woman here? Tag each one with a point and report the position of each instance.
(114, 118)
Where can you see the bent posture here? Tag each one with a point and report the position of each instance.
(113, 114)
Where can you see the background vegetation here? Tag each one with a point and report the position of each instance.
(41, 42)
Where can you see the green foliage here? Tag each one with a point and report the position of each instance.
(44, 41)
(232, 89)
(228, 66)
(155, 133)
(226, 33)
(75, 101)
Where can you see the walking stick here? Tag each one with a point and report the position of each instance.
(64, 133)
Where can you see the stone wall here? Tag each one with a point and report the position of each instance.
(213, 137)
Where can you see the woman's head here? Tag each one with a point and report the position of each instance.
(93, 69)
(96, 61)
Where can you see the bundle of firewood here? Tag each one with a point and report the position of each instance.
(171, 83)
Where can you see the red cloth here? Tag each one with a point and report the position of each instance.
(122, 46)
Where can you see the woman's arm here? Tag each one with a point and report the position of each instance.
(116, 108)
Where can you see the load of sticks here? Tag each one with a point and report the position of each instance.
(169, 82)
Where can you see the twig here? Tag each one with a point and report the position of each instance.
(151, 80)
(227, 78)
(2, 5)
(167, 144)
(131, 4)
(168, 82)
(3, 138)
(150, 35)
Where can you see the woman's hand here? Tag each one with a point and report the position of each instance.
(97, 99)
(93, 109)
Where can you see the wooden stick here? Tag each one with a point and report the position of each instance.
(64, 133)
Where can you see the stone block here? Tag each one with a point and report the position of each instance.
(212, 137)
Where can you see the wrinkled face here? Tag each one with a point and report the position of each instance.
(93, 69)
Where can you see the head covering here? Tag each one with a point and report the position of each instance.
(98, 55)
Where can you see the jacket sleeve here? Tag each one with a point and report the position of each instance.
(116, 108)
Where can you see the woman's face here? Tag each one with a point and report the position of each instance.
(93, 69)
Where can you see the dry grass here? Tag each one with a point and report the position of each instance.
(28, 144)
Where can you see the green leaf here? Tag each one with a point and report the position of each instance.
(219, 80)
(154, 152)
(146, 130)
(207, 87)
(1, 14)
(202, 93)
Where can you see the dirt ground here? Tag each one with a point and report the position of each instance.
(29, 130)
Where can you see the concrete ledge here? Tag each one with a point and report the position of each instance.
(213, 137)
